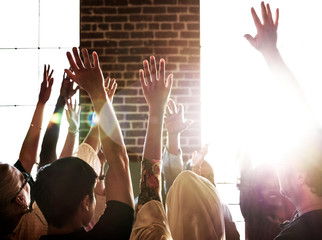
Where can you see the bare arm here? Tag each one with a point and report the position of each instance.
(265, 42)
(28, 152)
(90, 78)
(73, 118)
(156, 90)
(49, 144)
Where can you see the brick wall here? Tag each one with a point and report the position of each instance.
(124, 33)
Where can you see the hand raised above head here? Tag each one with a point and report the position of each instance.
(67, 89)
(46, 85)
(86, 75)
(72, 115)
(175, 121)
(156, 88)
(266, 37)
(110, 87)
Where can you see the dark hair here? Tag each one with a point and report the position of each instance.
(61, 186)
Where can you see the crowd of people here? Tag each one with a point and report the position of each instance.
(88, 194)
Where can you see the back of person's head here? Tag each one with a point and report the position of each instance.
(60, 188)
(194, 209)
(9, 186)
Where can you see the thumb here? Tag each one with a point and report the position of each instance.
(250, 39)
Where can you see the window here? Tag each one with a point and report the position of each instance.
(34, 33)
(239, 105)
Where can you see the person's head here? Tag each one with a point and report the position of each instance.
(301, 171)
(15, 195)
(194, 209)
(266, 186)
(206, 170)
(64, 191)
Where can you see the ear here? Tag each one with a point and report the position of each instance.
(300, 178)
(86, 203)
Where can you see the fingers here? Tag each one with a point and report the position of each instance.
(147, 75)
(168, 110)
(51, 73)
(142, 80)
(162, 70)
(169, 81)
(269, 14)
(277, 14)
(264, 13)
(87, 62)
(71, 62)
(71, 75)
(172, 106)
(113, 86)
(107, 82)
(77, 58)
(257, 22)
(95, 60)
(153, 69)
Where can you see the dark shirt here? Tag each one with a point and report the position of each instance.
(306, 226)
(115, 223)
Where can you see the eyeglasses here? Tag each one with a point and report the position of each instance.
(27, 178)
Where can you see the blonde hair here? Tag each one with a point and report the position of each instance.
(9, 186)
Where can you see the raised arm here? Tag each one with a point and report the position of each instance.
(172, 156)
(72, 116)
(28, 152)
(90, 78)
(92, 137)
(156, 89)
(49, 143)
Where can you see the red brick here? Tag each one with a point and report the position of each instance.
(115, 19)
(85, 27)
(117, 76)
(178, 26)
(166, 51)
(137, 125)
(194, 10)
(92, 2)
(159, 2)
(154, 26)
(105, 43)
(141, 51)
(165, 34)
(92, 19)
(193, 26)
(180, 91)
(129, 141)
(190, 51)
(194, 43)
(165, 18)
(124, 124)
(140, 18)
(104, 10)
(177, 59)
(107, 59)
(128, 91)
(116, 26)
(117, 99)
(141, 26)
(112, 67)
(140, 2)
(144, 108)
(190, 83)
(141, 34)
(135, 149)
(179, 43)
(117, 51)
(194, 59)
(129, 26)
(116, 2)
(130, 43)
(156, 43)
(125, 108)
(135, 133)
(129, 10)
(129, 59)
(134, 67)
(153, 9)
(117, 35)
(136, 100)
(190, 35)
(188, 2)
(189, 18)
(177, 9)
(103, 26)
(166, 26)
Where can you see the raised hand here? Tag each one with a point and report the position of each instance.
(175, 121)
(110, 87)
(266, 37)
(67, 90)
(72, 115)
(46, 85)
(198, 157)
(86, 75)
(155, 87)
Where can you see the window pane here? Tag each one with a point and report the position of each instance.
(19, 77)
(19, 24)
(59, 23)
